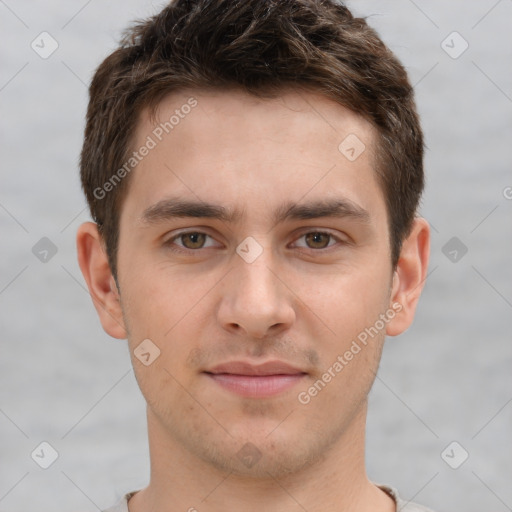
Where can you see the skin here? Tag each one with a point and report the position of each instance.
(303, 300)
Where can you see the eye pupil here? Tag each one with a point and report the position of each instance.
(317, 240)
(314, 240)
(193, 240)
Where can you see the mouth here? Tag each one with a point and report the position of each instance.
(256, 381)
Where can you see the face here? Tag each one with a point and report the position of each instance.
(254, 254)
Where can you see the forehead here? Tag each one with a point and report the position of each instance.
(244, 150)
(234, 113)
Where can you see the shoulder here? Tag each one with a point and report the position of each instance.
(401, 504)
(122, 504)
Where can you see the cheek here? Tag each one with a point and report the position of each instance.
(172, 311)
(158, 299)
(348, 301)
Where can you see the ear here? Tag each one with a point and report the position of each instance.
(93, 262)
(409, 277)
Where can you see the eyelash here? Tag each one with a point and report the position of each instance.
(171, 246)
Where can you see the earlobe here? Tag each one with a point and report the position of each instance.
(94, 265)
(409, 276)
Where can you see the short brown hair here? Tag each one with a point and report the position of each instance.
(261, 47)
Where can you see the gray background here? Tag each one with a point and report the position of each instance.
(64, 381)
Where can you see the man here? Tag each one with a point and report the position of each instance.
(254, 170)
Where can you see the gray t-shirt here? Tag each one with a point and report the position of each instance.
(401, 504)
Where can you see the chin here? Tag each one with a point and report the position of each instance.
(260, 462)
(260, 453)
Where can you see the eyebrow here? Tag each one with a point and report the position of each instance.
(168, 209)
(340, 208)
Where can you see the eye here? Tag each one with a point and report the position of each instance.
(191, 240)
(317, 240)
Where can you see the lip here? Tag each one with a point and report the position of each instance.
(256, 381)
(245, 368)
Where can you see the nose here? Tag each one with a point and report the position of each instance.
(255, 302)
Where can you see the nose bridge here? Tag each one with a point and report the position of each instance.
(256, 278)
(256, 284)
(255, 300)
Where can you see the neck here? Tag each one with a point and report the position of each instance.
(180, 481)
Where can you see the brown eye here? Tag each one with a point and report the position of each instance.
(193, 240)
(317, 240)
